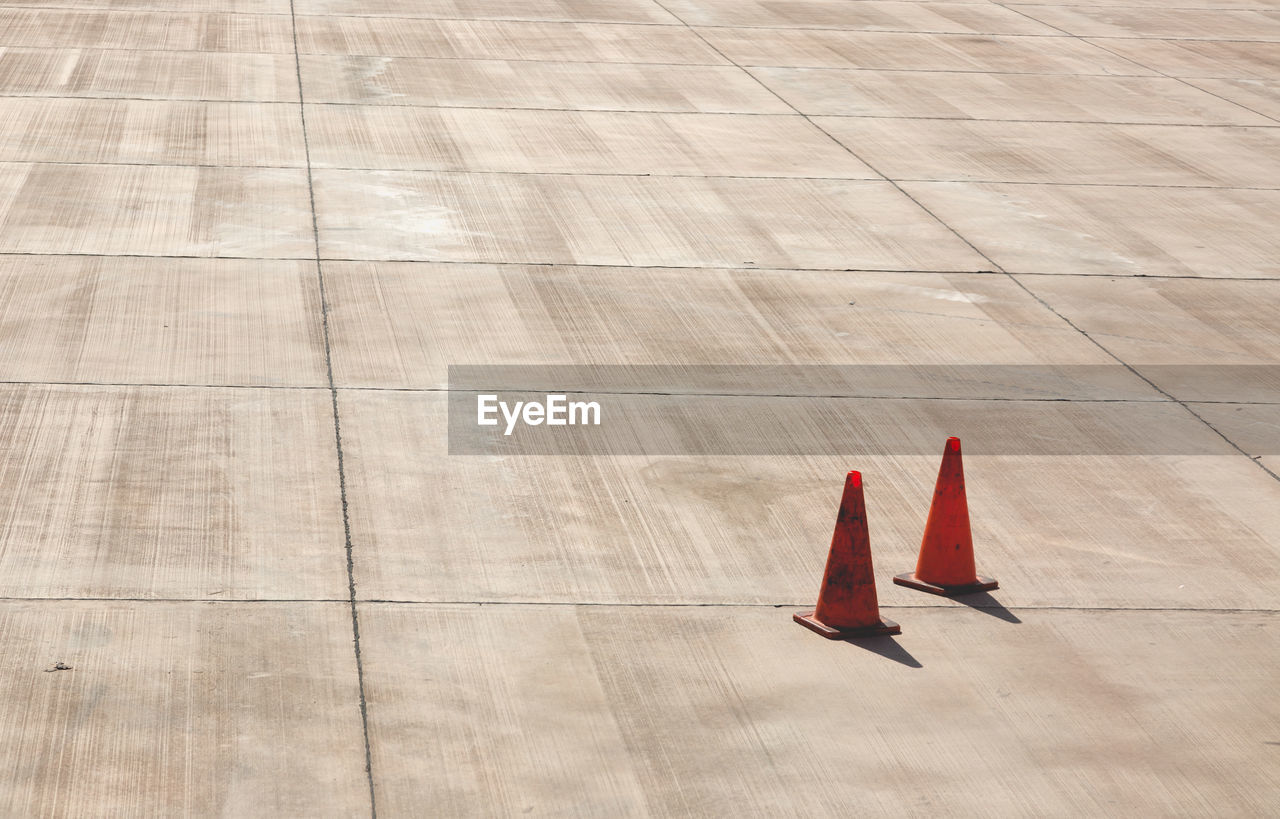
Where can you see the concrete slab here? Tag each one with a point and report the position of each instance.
(1089, 530)
(195, 75)
(147, 30)
(575, 142)
(526, 84)
(579, 11)
(1171, 321)
(144, 132)
(1064, 153)
(160, 321)
(630, 220)
(974, 95)
(245, 6)
(497, 40)
(150, 210)
(732, 711)
(1200, 58)
(1160, 4)
(169, 708)
(799, 48)
(1255, 428)
(541, 315)
(1262, 96)
(147, 492)
(1174, 23)
(872, 15)
(1112, 230)
(1197, 339)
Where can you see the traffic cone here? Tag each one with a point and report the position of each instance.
(847, 605)
(945, 565)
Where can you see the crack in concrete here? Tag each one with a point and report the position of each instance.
(337, 427)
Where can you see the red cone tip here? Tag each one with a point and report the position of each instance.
(953, 444)
(855, 478)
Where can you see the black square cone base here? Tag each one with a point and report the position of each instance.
(806, 619)
(911, 581)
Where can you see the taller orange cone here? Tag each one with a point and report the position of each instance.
(945, 565)
(847, 604)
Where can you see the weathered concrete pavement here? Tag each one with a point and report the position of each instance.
(241, 242)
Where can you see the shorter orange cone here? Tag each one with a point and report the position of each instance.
(946, 562)
(847, 605)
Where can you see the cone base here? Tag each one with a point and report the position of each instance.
(911, 581)
(806, 619)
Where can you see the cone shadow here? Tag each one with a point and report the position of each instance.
(886, 647)
(985, 603)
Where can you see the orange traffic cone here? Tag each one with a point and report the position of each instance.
(847, 605)
(946, 563)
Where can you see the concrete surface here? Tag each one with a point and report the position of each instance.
(680, 711)
(401, 324)
(670, 221)
(241, 243)
(180, 708)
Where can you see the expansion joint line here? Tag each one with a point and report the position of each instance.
(337, 425)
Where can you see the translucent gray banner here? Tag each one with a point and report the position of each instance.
(862, 410)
